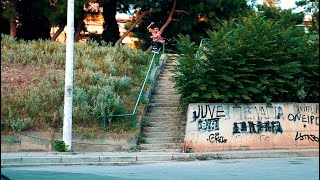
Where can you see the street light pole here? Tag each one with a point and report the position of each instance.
(68, 88)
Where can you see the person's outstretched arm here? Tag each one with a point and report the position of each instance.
(148, 27)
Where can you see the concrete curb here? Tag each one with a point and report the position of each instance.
(127, 158)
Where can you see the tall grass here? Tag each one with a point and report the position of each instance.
(106, 81)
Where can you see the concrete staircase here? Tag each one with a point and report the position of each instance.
(166, 120)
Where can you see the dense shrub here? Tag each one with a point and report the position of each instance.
(251, 60)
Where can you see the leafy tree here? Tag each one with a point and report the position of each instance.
(175, 17)
(250, 60)
(33, 24)
(35, 18)
(57, 15)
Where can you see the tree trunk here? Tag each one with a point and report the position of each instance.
(111, 31)
(13, 23)
(78, 28)
(57, 33)
(77, 31)
(13, 27)
(131, 27)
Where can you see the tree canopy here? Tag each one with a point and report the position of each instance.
(32, 19)
(187, 17)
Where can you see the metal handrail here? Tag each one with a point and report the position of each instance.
(133, 114)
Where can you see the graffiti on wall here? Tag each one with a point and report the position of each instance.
(258, 113)
(211, 111)
(227, 125)
(310, 119)
(215, 138)
(251, 127)
(305, 115)
(208, 124)
(311, 137)
(208, 117)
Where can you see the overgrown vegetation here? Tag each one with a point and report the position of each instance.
(107, 80)
(252, 59)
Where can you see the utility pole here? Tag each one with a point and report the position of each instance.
(68, 87)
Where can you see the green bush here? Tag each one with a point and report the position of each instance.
(18, 124)
(59, 146)
(253, 60)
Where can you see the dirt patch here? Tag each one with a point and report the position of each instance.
(20, 76)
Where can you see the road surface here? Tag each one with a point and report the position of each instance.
(306, 168)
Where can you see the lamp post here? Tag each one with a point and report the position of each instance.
(68, 88)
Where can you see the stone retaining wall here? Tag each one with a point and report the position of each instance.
(43, 142)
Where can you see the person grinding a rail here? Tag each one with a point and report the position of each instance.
(157, 40)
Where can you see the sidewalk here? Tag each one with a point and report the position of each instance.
(125, 158)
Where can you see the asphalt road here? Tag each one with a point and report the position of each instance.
(304, 168)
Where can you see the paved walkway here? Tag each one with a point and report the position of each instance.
(124, 158)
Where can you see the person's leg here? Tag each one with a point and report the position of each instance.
(159, 45)
(155, 45)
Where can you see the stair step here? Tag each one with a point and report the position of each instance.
(164, 89)
(165, 114)
(162, 110)
(168, 120)
(172, 61)
(163, 140)
(165, 77)
(159, 101)
(161, 146)
(162, 150)
(165, 123)
(169, 66)
(161, 78)
(161, 129)
(166, 71)
(166, 74)
(164, 93)
(172, 105)
(172, 65)
(161, 134)
(164, 84)
(171, 96)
